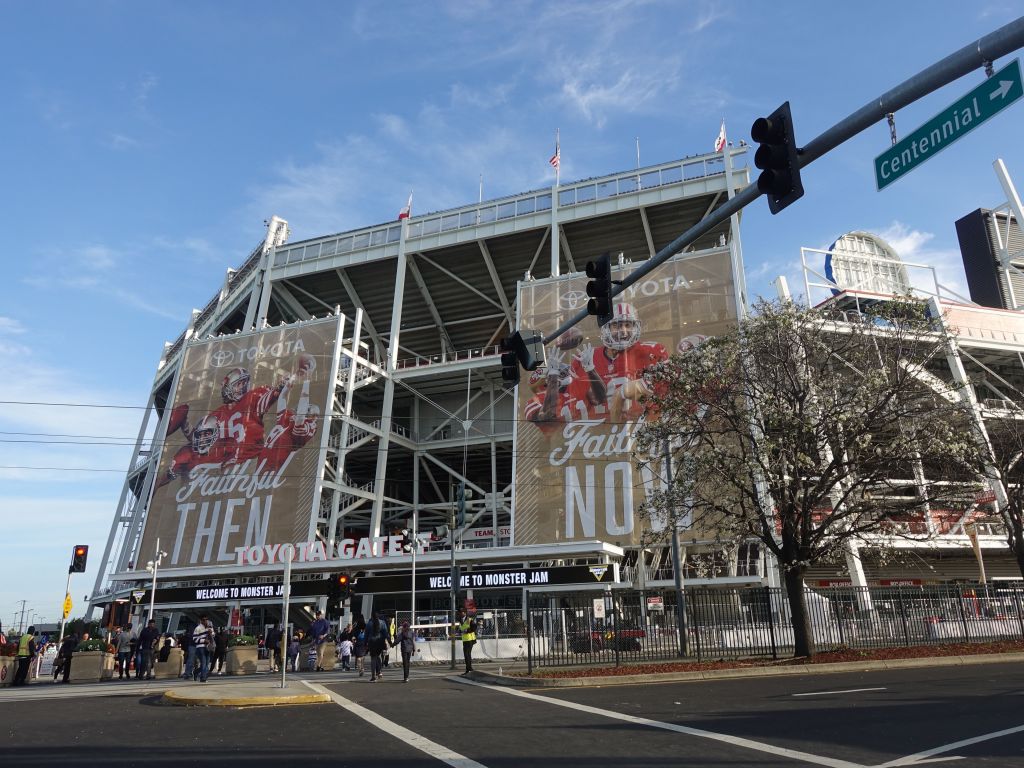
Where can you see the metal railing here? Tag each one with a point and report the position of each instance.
(633, 626)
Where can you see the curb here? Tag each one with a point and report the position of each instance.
(726, 674)
(206, 700)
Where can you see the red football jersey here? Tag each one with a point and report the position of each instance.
(241, 423)
(285, 437)
(628, 365)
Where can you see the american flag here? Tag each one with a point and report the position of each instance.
(556, 158)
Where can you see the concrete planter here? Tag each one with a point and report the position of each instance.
(330, 655)
(172, 668)
(241, 659)
(8, 666)
(91, 667)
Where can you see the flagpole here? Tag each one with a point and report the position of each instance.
(555, 255)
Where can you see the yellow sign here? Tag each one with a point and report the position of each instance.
(67, 605)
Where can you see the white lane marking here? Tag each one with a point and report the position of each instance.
(734, 740)
(919, 757)
(413, 739)
(848, 690)
(938, 760)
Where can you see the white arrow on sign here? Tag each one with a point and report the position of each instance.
(1002, 90)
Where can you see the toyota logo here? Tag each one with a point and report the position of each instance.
(221, 357)
(571, 299)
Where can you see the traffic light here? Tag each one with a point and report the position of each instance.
(523, 348)
(509, 363)
(599, 288)
(461, 496)
(78, 558)
(344, 586)
(777, 158)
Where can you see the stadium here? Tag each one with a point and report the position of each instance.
(343, 395)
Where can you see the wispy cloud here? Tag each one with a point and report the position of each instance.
(121, 141)
(914, 245)
(10, 326)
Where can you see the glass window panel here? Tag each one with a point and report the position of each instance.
(311, 251)
(566, 197)
(628, 184)
(506, 210)
(329, 248)
(378, 237)
(294, 255)
(487, 214)
(544, 203)
(431, 226)
(394, 234)
(360, 241)
(648, 180)
(415, 230)
(671, 175)
(467, 219)
(525, 206)
(280, 258)
(345, 245)
(585, 194)
(694, 170)
(451, 221)
(606, 189)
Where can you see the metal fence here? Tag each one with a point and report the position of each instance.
(634, 627)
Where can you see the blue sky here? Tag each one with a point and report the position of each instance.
(145, 144)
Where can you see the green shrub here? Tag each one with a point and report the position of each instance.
(95, 645)
(235, 641)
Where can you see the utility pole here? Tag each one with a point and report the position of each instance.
(21, 624)
(455, 581)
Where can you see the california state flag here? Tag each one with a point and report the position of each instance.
(720, 141)
(404, 213)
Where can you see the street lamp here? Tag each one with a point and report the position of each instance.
(153, 566)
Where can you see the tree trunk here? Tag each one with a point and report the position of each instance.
(1017, 545)
(803, 640)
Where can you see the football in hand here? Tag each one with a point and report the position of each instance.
(570, 339)
(305, 364)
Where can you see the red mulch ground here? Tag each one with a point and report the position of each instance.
(825, 657)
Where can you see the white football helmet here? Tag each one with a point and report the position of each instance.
(235, 385)
(624, 329)
(205, 435)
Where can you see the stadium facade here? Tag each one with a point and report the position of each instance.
(340, 390)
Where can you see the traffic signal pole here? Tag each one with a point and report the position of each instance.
(63, 615)
(986, 49)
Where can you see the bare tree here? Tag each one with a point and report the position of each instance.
(1007, 438)
(809, 431)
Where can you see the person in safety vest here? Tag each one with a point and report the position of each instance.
(26, 652)
(466, 629)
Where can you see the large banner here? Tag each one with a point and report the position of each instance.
(241, 454)
(576, 476)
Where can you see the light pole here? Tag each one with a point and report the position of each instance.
(153, 566)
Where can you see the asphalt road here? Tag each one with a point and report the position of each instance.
(972, 715)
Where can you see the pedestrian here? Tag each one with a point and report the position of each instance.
(405, 639)
(466, 628)
(190, 654)
(165, 648)
(67, 650)
(220, 650)
(203, 639)
(293, 653)
(123, 648)
(273, 643)
(345, 651)
(392, 630)
(359, 643)
(376, 642)
(147, 647)
(26, 652)
(319, 632)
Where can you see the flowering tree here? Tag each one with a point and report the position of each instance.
(1007, 440)
(810, 431)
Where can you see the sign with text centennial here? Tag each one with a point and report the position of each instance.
(241, 453)
(955, 121)
(577, 477)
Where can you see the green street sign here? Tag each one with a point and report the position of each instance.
(956, 120)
